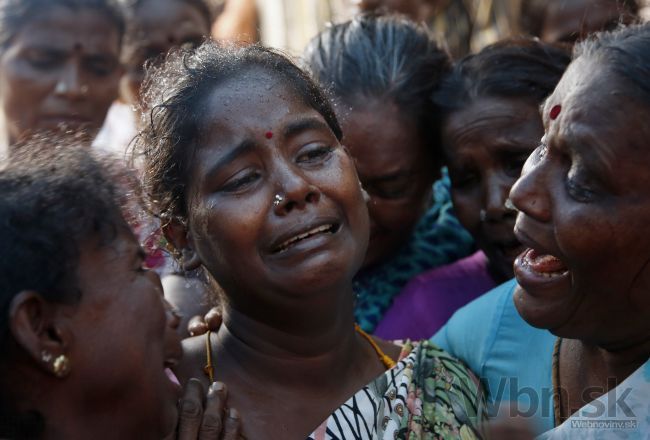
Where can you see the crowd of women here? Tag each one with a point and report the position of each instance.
(400, 245)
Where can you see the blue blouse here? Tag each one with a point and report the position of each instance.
(513, 360)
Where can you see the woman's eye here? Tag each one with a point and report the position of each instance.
(44, 60)
(240, 183)
(579, 192)
(315, 155)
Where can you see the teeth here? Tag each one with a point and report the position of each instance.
(318, 230)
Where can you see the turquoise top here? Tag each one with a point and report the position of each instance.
(513, 360)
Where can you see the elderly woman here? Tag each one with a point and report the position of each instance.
(59, 65)
(574, 327)
(381, 72)
(86, 342)
(490, 114)
(244, 163)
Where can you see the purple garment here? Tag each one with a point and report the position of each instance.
(428, 300)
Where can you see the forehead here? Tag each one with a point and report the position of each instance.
(60, 26)
(490, 116)
(250, 101)
(381, 138)
(599, 117)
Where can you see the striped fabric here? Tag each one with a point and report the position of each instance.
(427, 395)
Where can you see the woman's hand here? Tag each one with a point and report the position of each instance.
(204, 416)
(200, 325)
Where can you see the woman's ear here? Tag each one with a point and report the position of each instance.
(179, 236)
(41, 332)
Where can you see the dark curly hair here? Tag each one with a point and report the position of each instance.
(626, 53)
(175, 95)
(384, 57)
(14, 14)
(54, 197)
(523, 68)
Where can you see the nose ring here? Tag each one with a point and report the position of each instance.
(278, 199)
(61, 88)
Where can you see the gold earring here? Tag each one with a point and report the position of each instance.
(61, 366)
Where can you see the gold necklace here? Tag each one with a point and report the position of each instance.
(385, 359)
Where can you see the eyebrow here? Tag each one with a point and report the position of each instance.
(309, 123)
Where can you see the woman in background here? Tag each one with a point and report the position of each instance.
(59, 65)
(491, 123)
(380, 72)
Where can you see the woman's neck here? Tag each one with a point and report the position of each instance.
(295, 347)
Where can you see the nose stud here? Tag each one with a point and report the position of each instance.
(277, 199)
(61, 88)
(509, 205)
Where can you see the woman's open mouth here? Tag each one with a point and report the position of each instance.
(544, 265)
(293, 241)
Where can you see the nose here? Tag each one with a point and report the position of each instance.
(529, 194)
(70, 84)
(296, 192)
(495, 194)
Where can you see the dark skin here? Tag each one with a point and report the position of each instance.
(569, 21)
(486, 144)
(394, 168)
(60, 70)
(584, 199)
(287, 348)
(132, 359)
(161, 25)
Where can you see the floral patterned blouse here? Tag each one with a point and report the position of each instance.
(427, 395)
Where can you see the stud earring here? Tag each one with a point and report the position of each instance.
(61, 366)
(277, 200)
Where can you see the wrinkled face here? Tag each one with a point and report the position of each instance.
(60, 70)
(123, 336)
(394, 169)
(160, 25)
(276, 210)
(584, 197)
(572, 20)
(486, 145)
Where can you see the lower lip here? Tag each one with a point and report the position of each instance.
(529, 278)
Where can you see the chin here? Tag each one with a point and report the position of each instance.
(538, 312)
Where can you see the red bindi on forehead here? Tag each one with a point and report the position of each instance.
(269, 135)
(555, 112)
